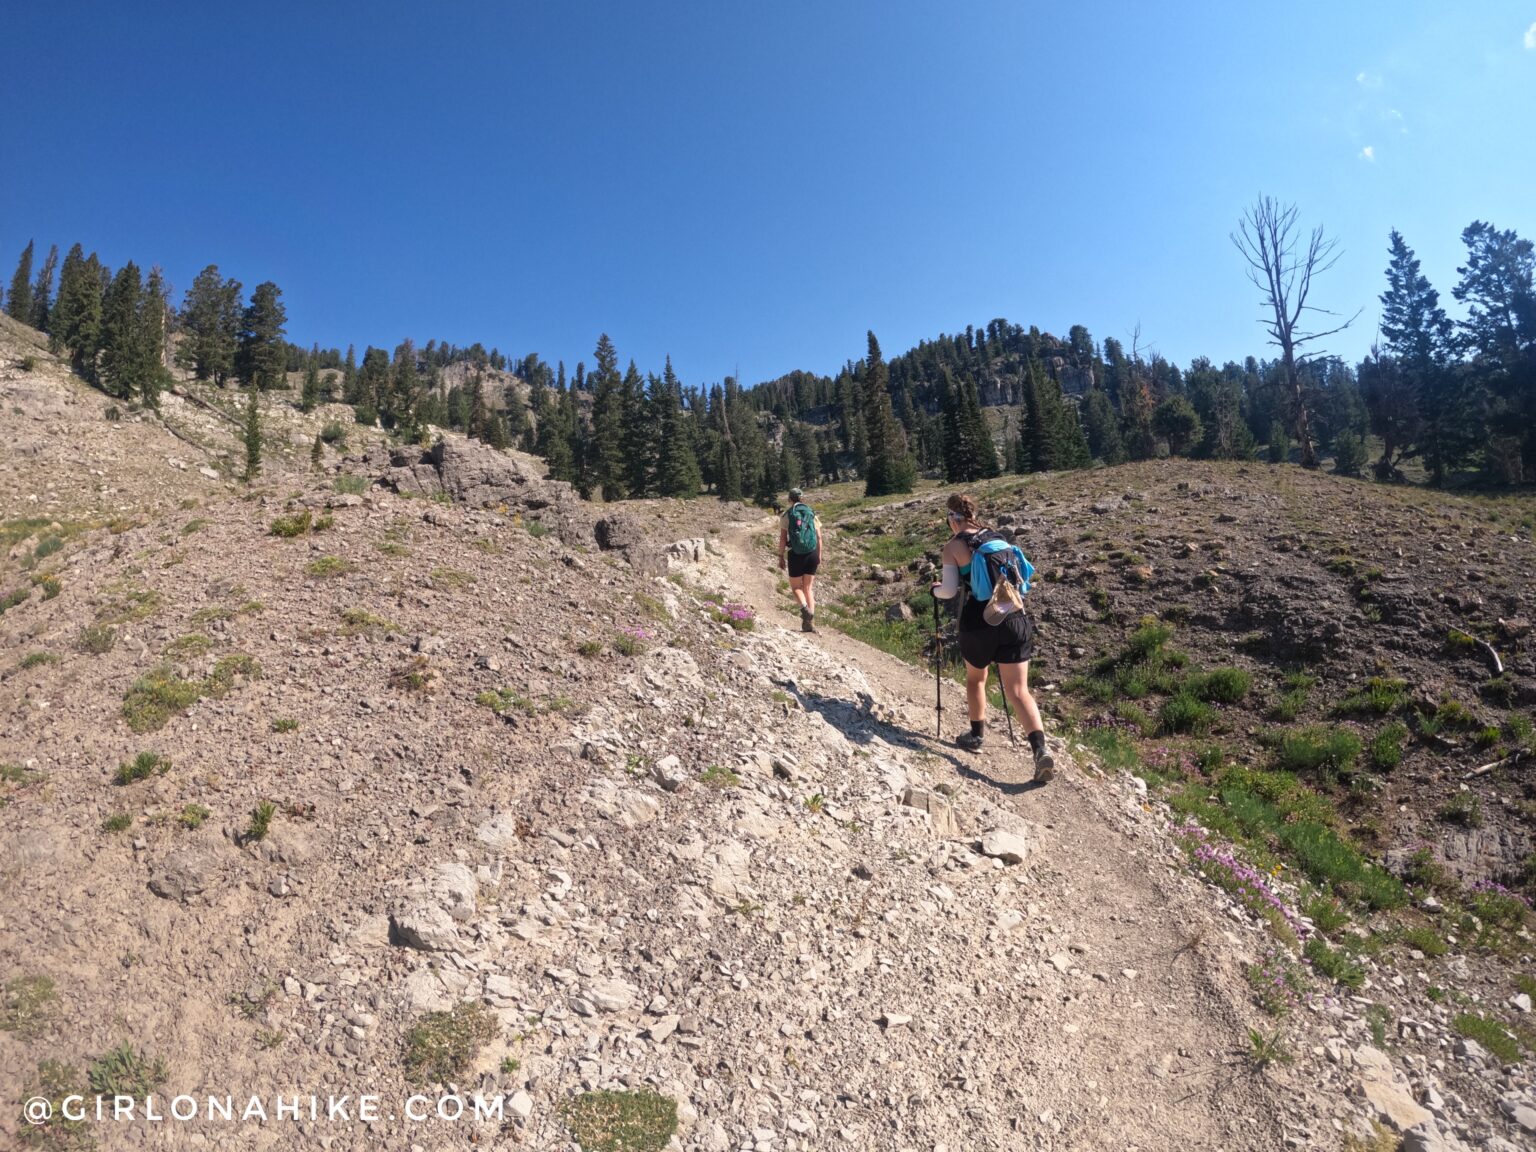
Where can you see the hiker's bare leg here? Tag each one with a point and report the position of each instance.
(809, 583)
(799, 585)
(976, 692)
(1016, 684)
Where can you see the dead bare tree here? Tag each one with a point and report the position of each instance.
(1283, 271)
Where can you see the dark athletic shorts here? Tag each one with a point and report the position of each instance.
(804, 565)
(1011, 642)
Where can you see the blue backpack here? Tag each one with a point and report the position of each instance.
(993, 557)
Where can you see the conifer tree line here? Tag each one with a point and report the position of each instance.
(1459, 396)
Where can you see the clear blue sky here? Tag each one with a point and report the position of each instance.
(759, 184)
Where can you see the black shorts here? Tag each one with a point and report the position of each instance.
(1011, 642)
(805, 565)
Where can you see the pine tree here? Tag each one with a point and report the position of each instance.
(262, 357)
(975, 437)
(121, 361)
(1102, 427)
(18, 302)
(75, 324)
(1498, 286)
(252, 434)
(349, 389)
(154, 313)
(317, 452)
(677, 464)
(607, 463)
(1176, 421)
(310, 396)
(639, 432)
(401, 394)
(889, 469)
(210, 321)
(42, 291)
(1418, 336)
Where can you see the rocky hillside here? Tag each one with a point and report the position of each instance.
(412, 774)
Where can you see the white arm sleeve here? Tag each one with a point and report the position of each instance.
(951, 583)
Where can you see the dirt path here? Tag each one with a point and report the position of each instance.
(1146, 1049)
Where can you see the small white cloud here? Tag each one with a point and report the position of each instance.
(1530, 37)
(1368, 154)
(1368, 80)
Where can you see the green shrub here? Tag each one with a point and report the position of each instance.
(46, 547)
(29, 363)
(1324, 752)
(642, 1121)
(441, 1046)
(141, 767)
(1222, 686)
(36, 659)
(290, 526)
(261, 820)
(1115, 750)
(1490, 1034)
(125, 1071)
(284, 725)
(1426, 940)
(14, 597)
(1325, 912)
(117, 822)
(351, 485)
(1185, 714)
(1379, 697)
(192, 816)
(28, 1005)
(1464, 809)
(1387, 746)
(335, 433)
(1334, 964)
(537, 529)
(328, 566)
(719, 778)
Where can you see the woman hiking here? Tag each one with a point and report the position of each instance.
(800, 555)
(1009, 643)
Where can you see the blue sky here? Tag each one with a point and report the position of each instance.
(758, 185)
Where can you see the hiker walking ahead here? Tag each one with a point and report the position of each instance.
(994, 628)
(800, 554)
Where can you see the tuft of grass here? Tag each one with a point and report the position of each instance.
(538, 529)
(154, 698)
(51, 586)
(359, 620)
(1380, 696)
(117, 822)
(608, 1121)
(719, 778)
(1387, 746)
(1220, 686)
(56, 1082)
(1266, 1050)
(14, 597)
(97, 639)
(1326, 912)
(451, 578)
(1490, 1034)
(141, 767)
(328, 566)
(37, 659)
(188, 646)
(192, 816)
(285, 725)
(28, 1006)
(590, 648)
(1324, 752)
(1115, 749)
(1464, 809)
(261, 821)
(194, 525)
(125, 1071)
(288, 527)
(626, 644)
(1333, 963)
(441, 1046)
(1185, 714)
(1426, 940)
(351, 485)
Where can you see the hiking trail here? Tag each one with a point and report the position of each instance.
(1144, 1046)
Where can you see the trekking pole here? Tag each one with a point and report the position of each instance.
(1002, 690)
(938, 689)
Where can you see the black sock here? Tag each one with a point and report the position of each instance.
(1037, 742)
(978, 727)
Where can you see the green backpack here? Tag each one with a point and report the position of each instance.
(802, 530)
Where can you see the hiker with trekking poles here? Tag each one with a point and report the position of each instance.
(991, 576)
(800, 555)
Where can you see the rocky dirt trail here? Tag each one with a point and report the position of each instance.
(1138, 1039)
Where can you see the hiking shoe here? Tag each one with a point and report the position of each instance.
(968, 741)
(1045, 766)
(807, 621)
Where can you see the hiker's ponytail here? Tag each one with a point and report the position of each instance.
(964, 505)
